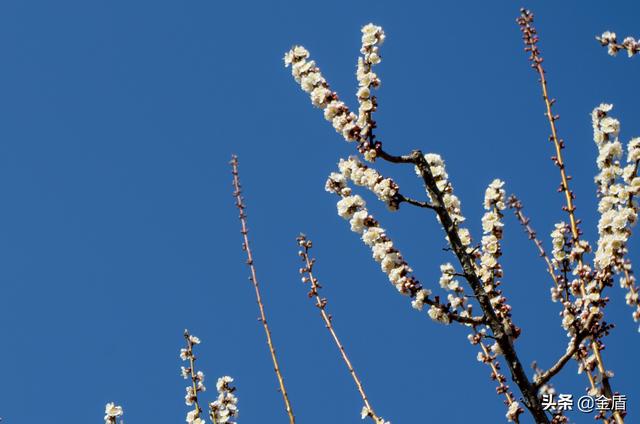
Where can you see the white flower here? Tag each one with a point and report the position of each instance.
(347, 206)
(513, 411)
(490, 222)
(225, 407)
(365, 412)
(608, 37)
(494, 195)
(192, 416)
(112, 411)
(185, 372)
(190, 397)
(358, 220)
(372, 235)
(296, 54)
(184, 354)
(421, 295)
(437, 314)
(465, 236)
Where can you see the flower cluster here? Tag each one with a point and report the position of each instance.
(456, 298)
(224, 409)
(351, 126)
(451, 201)
(196, 377)
(617, 206)
(489, 270)
(372, 37)
(353, 208)
(384, 188)
(609, 39)
(561, 244)
(111, 412)
(308, 75)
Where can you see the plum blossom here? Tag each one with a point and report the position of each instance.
(225, 408)
(112, 411)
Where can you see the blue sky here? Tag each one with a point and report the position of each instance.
(119, 231)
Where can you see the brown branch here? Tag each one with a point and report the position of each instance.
(420, 204)
(254, 279)
(321, 303)
(516, 205)
(573, 347)
(503, 336)
(531, 39)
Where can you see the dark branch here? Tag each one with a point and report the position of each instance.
(402, 198)
(503, 334)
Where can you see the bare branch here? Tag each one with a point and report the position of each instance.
(420, 204)
(254, 279)
(321, 303)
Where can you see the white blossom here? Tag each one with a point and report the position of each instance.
(418, 301)
(225, 408)
(437, 314)
(447, 280)
(513, 411)
(308, 75)
(112, 411)
(384, 188)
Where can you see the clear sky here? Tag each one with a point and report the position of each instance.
(118, 228)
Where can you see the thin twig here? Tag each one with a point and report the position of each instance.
(497, 375)
(573, 347)
(420, 204)
(531, 39)
(516, 205)
(254, 279)
(321, 303)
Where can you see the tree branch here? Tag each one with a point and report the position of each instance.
(573, 347)
(254, 280)
(402, 198)
(503, 335)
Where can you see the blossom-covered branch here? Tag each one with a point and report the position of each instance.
(353, 208)
(443, 203)
(254, 280)
(307, 277)
(196, 379)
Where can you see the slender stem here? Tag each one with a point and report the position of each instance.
(516, 205)
(321, 304)
(498, 375)
(192, 372)
(254, 279)
(414, 202)
(531, 39)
